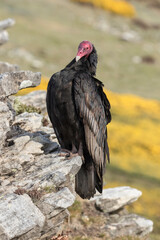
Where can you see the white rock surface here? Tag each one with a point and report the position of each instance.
(113, 199)
(6, 117)
(18, 215)
(54, 203)
(3, 37)
(6, 23)
(11, 83)
(29, 121)
(130, 225)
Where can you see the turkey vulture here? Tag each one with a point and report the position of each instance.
(79, 111)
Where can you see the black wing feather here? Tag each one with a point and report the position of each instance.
(52, 108)
(91, 108)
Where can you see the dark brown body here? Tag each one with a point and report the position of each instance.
(79, 112)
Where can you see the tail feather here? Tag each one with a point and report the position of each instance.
(98, 183)
(87, 180)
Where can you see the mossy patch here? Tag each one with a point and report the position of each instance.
(21, 108)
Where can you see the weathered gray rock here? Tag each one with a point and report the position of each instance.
(20, 142)
(33, 147)
(48, 145)
(54, 171)
(3, 37)
(54, 203)
(7, 67)
(6, 23)
(32, 172)
(4, 34)
(129, 225)
(29, 121)
(11, 83)
(18, 215)
(113, 199)
(6, 117)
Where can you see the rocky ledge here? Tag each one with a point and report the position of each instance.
(36, 183)
(119, 222)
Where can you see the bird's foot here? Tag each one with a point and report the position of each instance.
(67, 154)
(72, 155)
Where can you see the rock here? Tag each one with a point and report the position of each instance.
(3, 37)
(7, 67)
(36, 98)
(56, 171)
(29, 121)
(6, 23)
(11, 83)
(54, 225)
(20, 142)
(4, 34)
(54, 203)
(33, 147)
(113, 199)
(5, 118)
(48, 145)
(18, 215)
(130, 36)
(130, 225)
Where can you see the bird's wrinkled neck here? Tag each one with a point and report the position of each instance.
(92, 60)
(88, 64)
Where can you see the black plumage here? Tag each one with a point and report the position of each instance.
(79, 111)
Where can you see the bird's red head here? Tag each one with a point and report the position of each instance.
(84, 49)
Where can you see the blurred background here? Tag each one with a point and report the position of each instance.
(126, 35)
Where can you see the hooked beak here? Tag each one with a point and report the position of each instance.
(80, 53)
(77, 58)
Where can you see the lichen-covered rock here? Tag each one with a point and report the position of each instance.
(11, 83)
(36, 98)
(113, 199)
(129, 225)
(18, 215)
